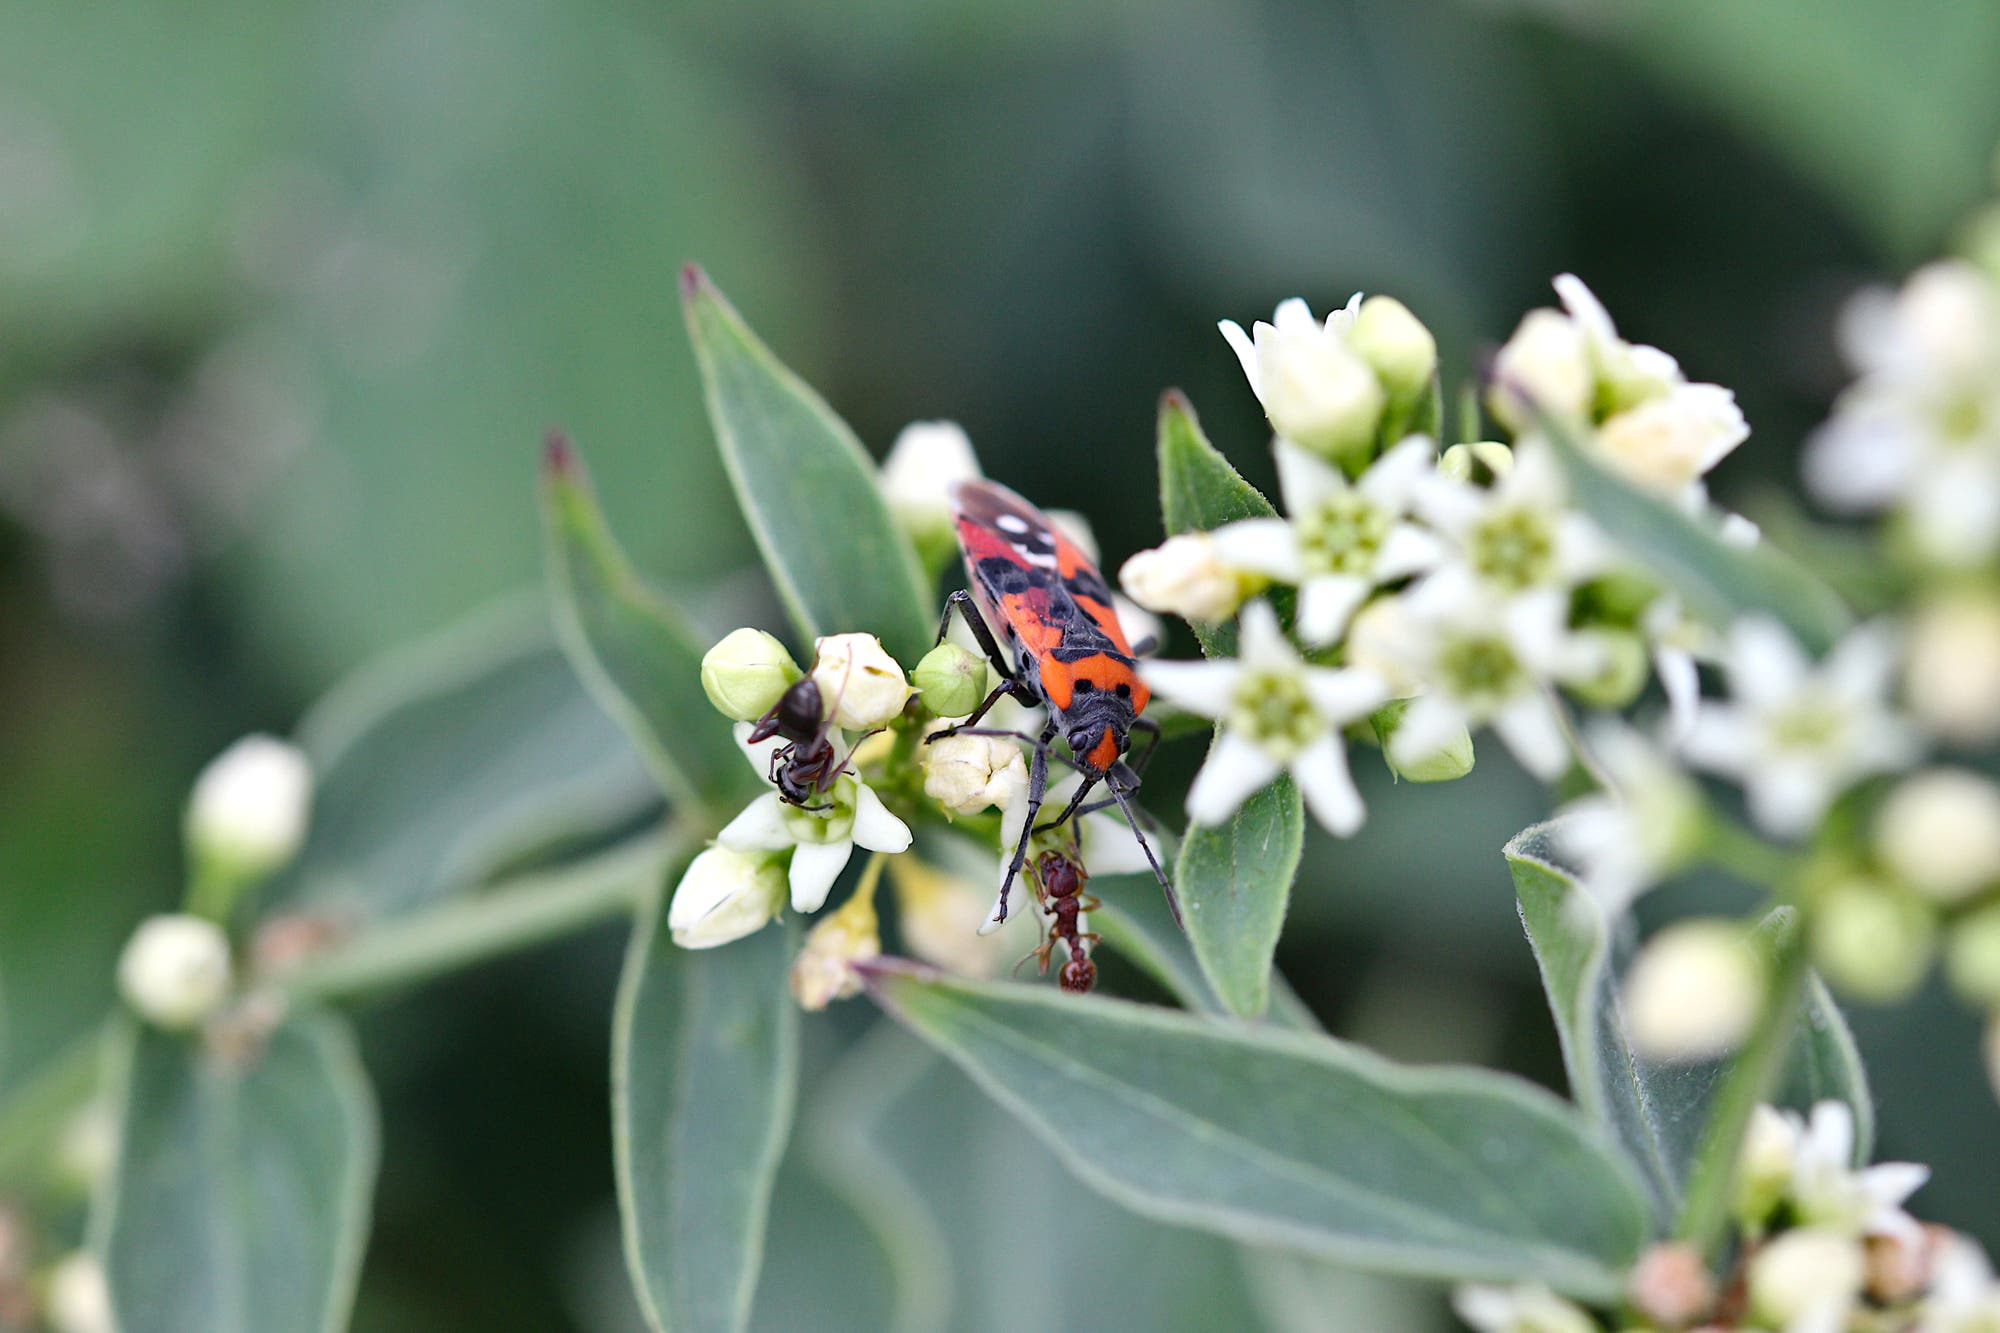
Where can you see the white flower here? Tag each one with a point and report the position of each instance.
(1545, 365)
(1277, 714)
(939, 915)
(1764, 1164)
(824, 969)
(1797, 734)
(1693, 991)
(1963, 1296)
(1315, 388)
(1828, 1191)
(1185, 576)
(1520, 533)
(824, 839)
(1485, 661)
(1670, 443)
(1342, 539)
(1625, 838)
(1952, 680)
(1806, 1280)
(1921, 429)
(247, 814)
(861, 685)
(1939, 832)
(1395, 342)
(79, 1299)
(926, 461)
(967, 774)
(725, 895)
(175, 970)
(1523, 1309)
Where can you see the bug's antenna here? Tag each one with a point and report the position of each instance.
(1173, 903)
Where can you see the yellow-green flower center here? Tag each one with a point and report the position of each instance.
(1514, 549)
(1480, 669)
(1342, 534)
(1273, 709)
(1809, 722)
(835, 823)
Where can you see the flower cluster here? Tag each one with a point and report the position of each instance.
(1827, 1248)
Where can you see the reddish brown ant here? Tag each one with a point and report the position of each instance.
(1059, 881)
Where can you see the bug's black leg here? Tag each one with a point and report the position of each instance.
(1075, 802)
(1038, 787)
(968, 611)
(1151, 730)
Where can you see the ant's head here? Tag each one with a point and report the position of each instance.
(1060, 876)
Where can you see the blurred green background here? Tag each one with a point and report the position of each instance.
(288, 291)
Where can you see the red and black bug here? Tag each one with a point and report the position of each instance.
(1040, 594)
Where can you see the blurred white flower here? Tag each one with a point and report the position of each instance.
(1523, 1309)
(861, 685)
(926, 461)
(1963, 1296)
(1827, 1189)
(1939, 832)
(1277, 715)
(1342, 539)
(1806, 1280)
(1316, 389)
(1764, 1164)
(79, 1298)
(1623, 839)
(938, 915)
(1693, 991)
(175, 970)
(723, 896)
(1670, 443)
(823, 839)
(1952, 679)
(1796, 734)
(1185, 576)
(1395, 342)
(824, 971)
(247, 813)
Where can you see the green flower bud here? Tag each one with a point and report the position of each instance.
(747, 673)
(1972, 957)
(1394, 342)
(1622, 671)
(1871, 941)
(951, 680)
(1441, 763)
(1480, 463)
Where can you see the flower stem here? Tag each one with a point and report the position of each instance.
(1755, 1070)
(522, 913)
(1731, 847)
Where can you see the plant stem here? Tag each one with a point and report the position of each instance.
(1731, 847)
(521, 913)
(1705, 1208)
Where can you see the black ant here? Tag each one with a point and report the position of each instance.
(1059, 882)
(804, 768)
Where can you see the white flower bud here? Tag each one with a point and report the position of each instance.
(1972, 957)
(1693, 991)
(247, 814)
(862, 685)
(1184, 576)
(1395, 342)
(1545, 365)
(939, 916)
(1671, 442)
(725, 895)
(927, 460)
(1949, 312)
(89, 1146)
(967, 774)
(1764, 1165)
(1479, 463)
(1315, 390)
(1524, 1309)
(824, 969)
(1939, 832)
(175, 970)
(1952, 679)
(79, 1299)
(1804, 1273)
(951, 679)
(1445, 761)
(747, 673)
(1871, 940)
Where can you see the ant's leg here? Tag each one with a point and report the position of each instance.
(1038, 786)
(1000, 691)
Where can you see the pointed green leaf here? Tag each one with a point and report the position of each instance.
(1655, 1110)
(441, 764)
(704, 1063)
(634, 648)
(240, 1199)
(1718, 581)
(1134, 920)
(807, 488)
(1199, 490)
(1301, 1142)
(1234, 882)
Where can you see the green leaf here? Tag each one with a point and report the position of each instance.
(1718, 581)
(1199, 490)
(1234, 882)
(704, 1063)
(240, 1199)
(1300, 1142)
(1655, 1110)
(807, 488)
(1134, 920)
(634, 648)
(440, 765)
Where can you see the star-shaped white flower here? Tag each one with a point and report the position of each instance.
(822, 840)
(1278, 715)
(1797, 734)
(1625, 837)
(1827, 1188)
(1483, 660)
(1342, 539)
(1518, 534)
